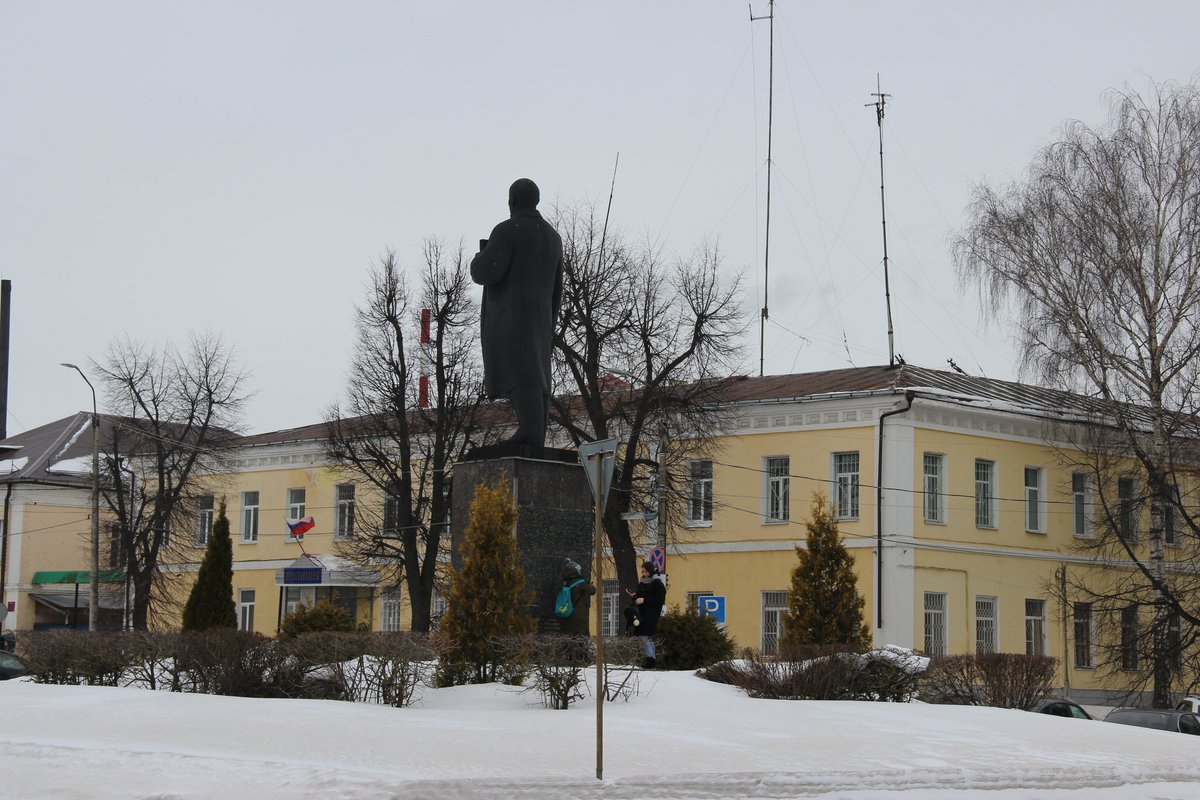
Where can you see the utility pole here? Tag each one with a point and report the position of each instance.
(94, 584)
(880, 104)
(660, 524)
(765, 314)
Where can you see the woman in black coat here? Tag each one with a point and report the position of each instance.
(649, 598)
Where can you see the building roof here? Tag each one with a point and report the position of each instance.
(933, 383)
(58, 452)
(898, 380)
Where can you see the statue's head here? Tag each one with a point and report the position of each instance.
(523, 194)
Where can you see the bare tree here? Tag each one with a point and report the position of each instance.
(386, 436)
(1096, 253)
(178, 412)
(642, 345)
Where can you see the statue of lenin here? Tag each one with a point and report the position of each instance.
(520, 267)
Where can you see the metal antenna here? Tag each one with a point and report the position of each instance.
(880, 105)
(762, 320)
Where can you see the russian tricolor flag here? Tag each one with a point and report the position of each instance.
(299, 527)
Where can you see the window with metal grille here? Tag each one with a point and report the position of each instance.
(985, 494)
(700, 491)
(1129, 638)
(1081, 503)
(774, 604)
(1084, 646)
(204, 519)
(389, 616)
(1035, 627)
(249, 517)
(935, 624)
(778, 485)
(245, 609)
(611, 614)
(985, 625)
(1033, 499)
(845, 475)
(692, 600)
(344, 525)
(1127, 508)
(935, 487)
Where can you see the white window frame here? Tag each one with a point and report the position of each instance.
(1082, 525)
(245, 609)
(985, 493)
(296, 596)
(1035, 499)
(344, 508)
(1170, 525)
(1084, 636)
(437, 607)
(774, 606)
(845, 479)
(936, 614)
(700, 493)
(204, 518)
(389, 610)
(295, 506)
(250, 511)
(1127, 508)
(1035, 626)
(987, 624)
(934, 485)
(776, 489)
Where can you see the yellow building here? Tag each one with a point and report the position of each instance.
(45, 546)
(952, 493)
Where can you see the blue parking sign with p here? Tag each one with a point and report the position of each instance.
(713, 606)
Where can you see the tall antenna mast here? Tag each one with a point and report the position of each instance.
(762, 320)
(880, 105)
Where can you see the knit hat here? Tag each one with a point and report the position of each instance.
(649, 567)
(568, 564)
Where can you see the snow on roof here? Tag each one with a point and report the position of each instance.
(10, 465)
(80, 465)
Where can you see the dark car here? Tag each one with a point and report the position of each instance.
(10, 666)
(1060, 707)
(1178, 721)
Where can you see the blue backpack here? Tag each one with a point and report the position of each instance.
(563, 607)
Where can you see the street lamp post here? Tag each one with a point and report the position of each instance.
(94, 596)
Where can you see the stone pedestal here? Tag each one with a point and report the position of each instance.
(555, 515)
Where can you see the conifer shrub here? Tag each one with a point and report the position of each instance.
(690, 641)
(824, 606)
(487, 601)
(210, 604)
(323, 616)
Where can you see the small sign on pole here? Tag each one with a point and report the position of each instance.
(658, 558)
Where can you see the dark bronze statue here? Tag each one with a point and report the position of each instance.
(520, 267)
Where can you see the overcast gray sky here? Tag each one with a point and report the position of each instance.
(237, 166)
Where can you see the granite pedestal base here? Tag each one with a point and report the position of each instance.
(555, 517)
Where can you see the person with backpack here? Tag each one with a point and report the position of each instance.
(573, 601)
(649, 598)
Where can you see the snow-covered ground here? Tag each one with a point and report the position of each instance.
(680, 737)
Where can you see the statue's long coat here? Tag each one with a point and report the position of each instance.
(521, 271)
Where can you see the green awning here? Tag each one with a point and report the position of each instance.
(77, 576)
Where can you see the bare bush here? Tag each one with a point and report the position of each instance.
(824, 673)
(1003, 680)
